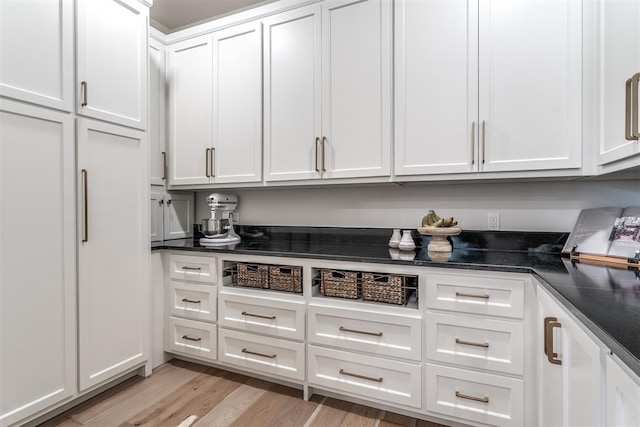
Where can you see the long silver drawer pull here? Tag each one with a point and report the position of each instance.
(628, 132)
(484, 140)
(268, 356)
(483, 296)
(186, 267)
(475, 399)
(244, 313)
(187, 337)
(191, 301)
(317, 142)
(207, 158)
(473, 142)
(355, 331)
(376, 380)
(476, 344)
(164, 165)
(85, 206)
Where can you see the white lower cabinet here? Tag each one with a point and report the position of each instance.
(623, 395)
(363, 330)
(266, 355)
(261, 315)
(367, 377)
(476, 397)
(193, 338)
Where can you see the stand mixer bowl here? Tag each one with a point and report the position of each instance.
(214, 227)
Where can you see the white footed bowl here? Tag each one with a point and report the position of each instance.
(439, 242)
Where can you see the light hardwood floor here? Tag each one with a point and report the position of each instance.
(179, 389)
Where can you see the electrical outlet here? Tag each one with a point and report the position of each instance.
(493, 220)
(236, 218)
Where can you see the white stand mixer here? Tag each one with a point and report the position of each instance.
(218, 230)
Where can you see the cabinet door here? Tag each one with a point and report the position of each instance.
(570, 393)
(157, 216)
(112, 61)
(623, 395)
(189, 77)
(37, 281)
(113, 256)
(292, 104)
(157, 120)
(237, 104)
(530, 84)
(436, 86)
(619, 61)
(178, 216)
(356, 78)
(36, 52)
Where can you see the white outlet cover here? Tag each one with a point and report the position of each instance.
(493, 220)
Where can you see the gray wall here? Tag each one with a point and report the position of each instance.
(528, 206)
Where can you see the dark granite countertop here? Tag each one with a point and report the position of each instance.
(606, 300)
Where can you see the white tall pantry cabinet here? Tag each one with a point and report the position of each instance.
(74, 219)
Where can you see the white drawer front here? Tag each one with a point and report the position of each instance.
(496, 345)
(283, 319)
(479, 295)
(193, 268)
(192, 338)
(269, 356)
(459, 393)
(378, 333)
(365, 376)
(193, 301)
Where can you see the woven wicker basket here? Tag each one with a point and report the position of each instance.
(387, 288)
(253, 275)
(285, 278)
(342, 284)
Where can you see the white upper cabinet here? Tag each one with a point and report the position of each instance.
(190, 78)
(215, 107)
(36, 52)
(112, 61)
(436, 90)
(328, 91)
(619, 65)
(356, 88)
(157, 121)
(237, 105)
(530, 75)
(488, 85)
(293, 111)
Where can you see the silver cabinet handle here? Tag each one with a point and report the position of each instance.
(213, 157)
(268, 356)
(549, 324)
(191, 301)
(628, 133)
(355, 331)
(475, 399)
(85, 94)
(244, 313)
(85, 206)
(633, 108)
(207, 154)
(460, 294)
(187, 337)
(164, 165)
(475, 344)
(484, 140)
(364, 377)
(473, 142)
(186, 267)
(317, 142)
(324, 142)
(161, 202)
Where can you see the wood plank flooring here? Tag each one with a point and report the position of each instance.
(179, 389)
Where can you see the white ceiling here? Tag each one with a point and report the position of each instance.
(178, 14)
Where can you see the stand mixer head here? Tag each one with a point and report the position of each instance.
(219, 228)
